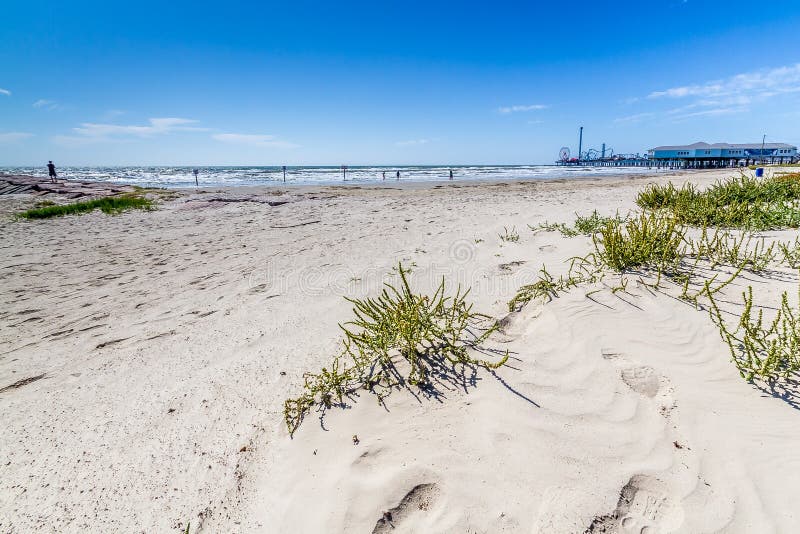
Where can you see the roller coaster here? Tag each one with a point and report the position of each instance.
(604, 157)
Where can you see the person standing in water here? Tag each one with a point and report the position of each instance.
(51, 171)
(398, 175)
(384, 175)
(451, 174)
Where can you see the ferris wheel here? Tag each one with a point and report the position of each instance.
(563, 154)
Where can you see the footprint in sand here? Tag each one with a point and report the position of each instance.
(644, 380)
(417, 501)
(644, 507)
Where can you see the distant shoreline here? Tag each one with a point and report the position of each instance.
(407, 184)
(182, 177)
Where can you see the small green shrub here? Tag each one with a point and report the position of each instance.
(647, 241)
(562, 228)
(583, 225)
(509, 235)
(110, 205)
(743, 202)
(594, 223)
(546, 287)
(399, 339)
(656, 196)
(767, 350)
(790, 253)
(746, 251)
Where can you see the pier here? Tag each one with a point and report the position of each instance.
(608, 162)
(695, 156)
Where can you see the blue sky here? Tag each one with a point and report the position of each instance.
(382, 82)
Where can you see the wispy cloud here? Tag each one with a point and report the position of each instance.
(638, 117)
(756, 84)
(515, 109)
(13, 137)
(112, 114)
(714, 112)
(5, 92)
(93, 132)
(413, 142)
(157, 126)
(258, 140)
(48, 105)
(727, 96)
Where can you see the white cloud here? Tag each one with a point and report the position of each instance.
(77, 141)
(5, 92)
(49, 105)
(112, 114)
(157, 126)
(638, 117)
(412, 142)
(709, 113)
(264, 141)
(13, 137)
(722, 97)
(756, 84)
(514, 109)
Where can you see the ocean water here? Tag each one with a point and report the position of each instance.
(174, 177)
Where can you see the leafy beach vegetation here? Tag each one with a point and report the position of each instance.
(509, 235)
(763, 349)
(656, 245)
(403, 339)
(648, 240)
(743, 202)
(400, 339)
(109, 205)
(587, 226)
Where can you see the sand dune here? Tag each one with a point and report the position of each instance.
(160, 346)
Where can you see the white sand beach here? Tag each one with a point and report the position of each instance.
(145, 358)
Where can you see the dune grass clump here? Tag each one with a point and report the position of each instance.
(109, 205)
(561, 228)
(656, 196)
(790, 253)
(509, 235)
(399, 339)
(746, 251)
(649, 241)
(547, 287)
(767, 350)
(655, 245)
(743, 202)
(594, 223)
(587, 226)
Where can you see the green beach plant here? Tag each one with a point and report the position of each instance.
(562, 228)
(587, 226)
(594, 223)
(649, 241)
(655, 243)
(747, 251)
(790, 253)
(743, 202)
(763, 349)
(399, 339)
(109, 205)
(509, 235)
